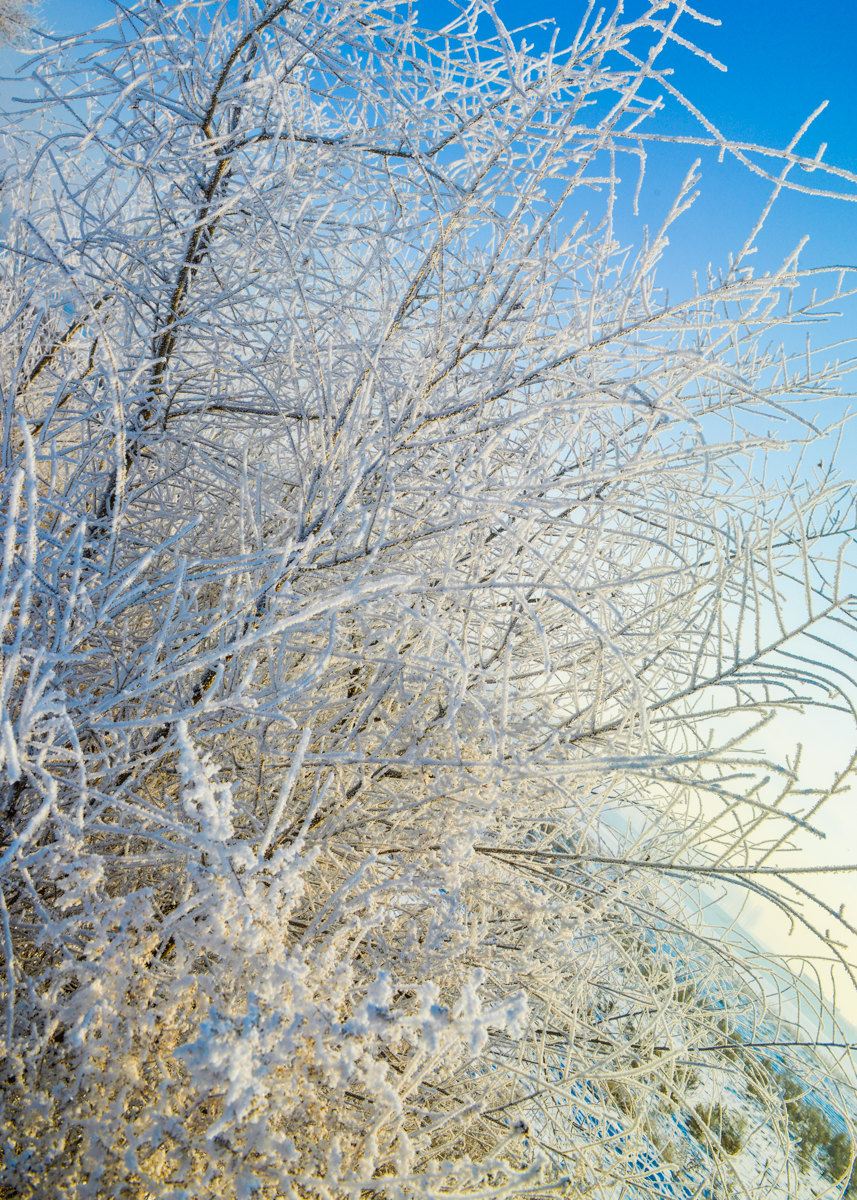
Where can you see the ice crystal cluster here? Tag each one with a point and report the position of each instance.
(13, 20)
(384, 560)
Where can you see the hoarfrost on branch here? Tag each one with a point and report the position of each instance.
(385, 560)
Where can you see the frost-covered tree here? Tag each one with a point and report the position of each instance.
(13, 20)
(385, 563)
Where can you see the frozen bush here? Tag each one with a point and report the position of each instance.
(381, 548)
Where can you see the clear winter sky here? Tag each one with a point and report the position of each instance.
(783, 58)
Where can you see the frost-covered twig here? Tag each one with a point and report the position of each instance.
(387, 564)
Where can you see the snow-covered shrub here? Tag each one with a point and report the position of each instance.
(381, 546)
(837, 1158)
(13, 20)
(714, 1122)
